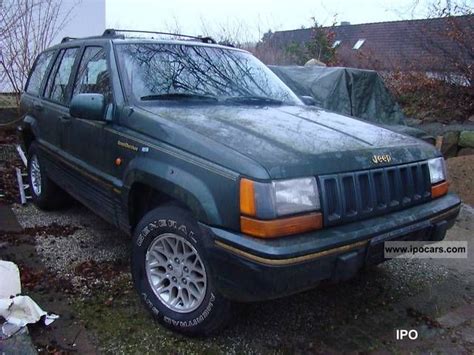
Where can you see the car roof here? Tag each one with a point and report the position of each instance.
(182, 42)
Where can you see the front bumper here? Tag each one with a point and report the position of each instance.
(250, 269)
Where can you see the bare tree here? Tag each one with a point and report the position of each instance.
(451, 48)
(439, 84)
(235, 32)
(460, 60)
(318, 45)
(173, 25)
(27, 28)
(7, 20)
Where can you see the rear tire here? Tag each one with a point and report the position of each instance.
(45, 193)
(171, 274)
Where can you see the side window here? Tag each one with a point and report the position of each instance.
(38, 72)
(56, 88)
(53, 71)
(93, 76)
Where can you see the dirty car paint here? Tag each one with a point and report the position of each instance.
(291, 141)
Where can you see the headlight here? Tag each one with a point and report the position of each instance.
(437, 170)
(295, 196)
(278, 198)
(439, 185)
(262, 206)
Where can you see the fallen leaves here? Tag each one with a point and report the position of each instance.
(100, 270)
(43, 281)
(27, 235)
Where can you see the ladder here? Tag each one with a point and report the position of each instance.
(21, 175)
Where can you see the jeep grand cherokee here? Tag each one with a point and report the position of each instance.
(232, 188)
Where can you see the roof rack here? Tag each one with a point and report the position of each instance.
(67, 39)
(111, 32)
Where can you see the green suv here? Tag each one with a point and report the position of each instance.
(232, 188)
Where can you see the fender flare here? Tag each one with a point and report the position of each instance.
(175, 182)
(30, 125)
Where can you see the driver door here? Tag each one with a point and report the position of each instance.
(86, 143)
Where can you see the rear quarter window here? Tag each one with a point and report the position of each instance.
(38, 72)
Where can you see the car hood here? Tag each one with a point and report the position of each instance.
(293, 141)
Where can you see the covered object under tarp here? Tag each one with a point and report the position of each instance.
(354, 92)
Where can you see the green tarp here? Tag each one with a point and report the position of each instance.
(354, 92)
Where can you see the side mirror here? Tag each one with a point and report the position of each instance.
(88, 106)
(308, 100)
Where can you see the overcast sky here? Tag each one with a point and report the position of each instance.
(257, 16)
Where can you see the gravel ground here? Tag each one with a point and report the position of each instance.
(360, 314)
(461, 177)
(466, 217)
(77, 215)
(62, 254)
(94, 240)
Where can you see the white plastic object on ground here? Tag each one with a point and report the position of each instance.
(10, 276)
(16, 309)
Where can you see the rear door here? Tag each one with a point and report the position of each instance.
(31, 101)
(56, 95)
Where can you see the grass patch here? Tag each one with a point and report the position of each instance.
(122, 325)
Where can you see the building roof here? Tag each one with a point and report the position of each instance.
(405, 45)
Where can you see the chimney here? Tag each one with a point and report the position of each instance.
(345, 23)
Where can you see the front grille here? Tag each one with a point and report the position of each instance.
(352, 196)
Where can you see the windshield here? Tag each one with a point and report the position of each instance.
(158, 71)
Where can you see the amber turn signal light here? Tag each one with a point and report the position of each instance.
(282, 226)
(247, 197)
(439, 189)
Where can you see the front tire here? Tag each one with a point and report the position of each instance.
(172, 276)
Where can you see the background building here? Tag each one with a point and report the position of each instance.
(435, 46)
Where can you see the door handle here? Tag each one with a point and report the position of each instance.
(65, 118)
(38, 107)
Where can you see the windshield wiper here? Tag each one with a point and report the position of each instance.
(254, 100)
(177, 96)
